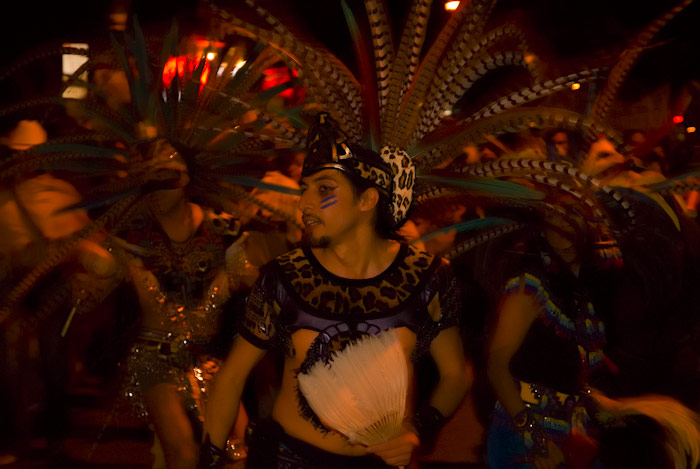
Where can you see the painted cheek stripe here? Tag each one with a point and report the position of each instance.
(329, 201)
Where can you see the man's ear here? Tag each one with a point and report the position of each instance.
(369, 199)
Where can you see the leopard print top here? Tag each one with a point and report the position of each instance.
(295, 292)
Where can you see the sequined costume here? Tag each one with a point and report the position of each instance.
(294, 292)
(560, 353)
(184, 288)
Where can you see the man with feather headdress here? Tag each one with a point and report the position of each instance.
(352, 279)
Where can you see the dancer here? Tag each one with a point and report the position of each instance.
(546, 344)
(351, 279)
(185, 263)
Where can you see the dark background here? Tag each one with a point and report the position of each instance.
(563, 31)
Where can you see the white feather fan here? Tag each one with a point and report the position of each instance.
(362, 391)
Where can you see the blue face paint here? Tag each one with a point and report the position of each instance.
(329, 201)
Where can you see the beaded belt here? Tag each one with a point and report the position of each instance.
(168, 343)
(558, 411)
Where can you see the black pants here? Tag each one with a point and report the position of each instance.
(269, 447)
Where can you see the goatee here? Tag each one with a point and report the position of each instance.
(311, 241)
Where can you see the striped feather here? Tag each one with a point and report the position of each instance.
(370, 119)
(383, 49)
(487, 185)
(407, 55)
(469, 225)
(448, 141)
(629, 56)
(482, 237)
(470, 16)
(448, 90)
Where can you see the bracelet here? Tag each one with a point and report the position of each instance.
(530, 430)
(428, 422)
(211, 456)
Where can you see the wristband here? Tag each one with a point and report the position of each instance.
(428, 422)
(211, 456)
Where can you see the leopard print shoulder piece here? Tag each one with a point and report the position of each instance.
(326, 293)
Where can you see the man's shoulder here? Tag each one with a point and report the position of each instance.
(425, 260)
(290, 257)
(285, 261)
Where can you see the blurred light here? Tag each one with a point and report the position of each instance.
(70, 63)
(237, 67)
(677, 119)
(275, 76)
(529, 58)
(532, 123)
(183, 67)
(451, 6)
(447, 112)
(211, 55)
(690, 130)
(575, 86)
(117, 21)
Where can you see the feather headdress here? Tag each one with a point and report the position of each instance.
(403, 94)
(207, 118)
(401, 99)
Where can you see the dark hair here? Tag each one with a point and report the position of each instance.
(383, 220)
(634, 441)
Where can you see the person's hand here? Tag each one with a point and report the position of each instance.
(397, 451)
(553, 458)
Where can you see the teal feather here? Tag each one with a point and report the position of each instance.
(469, 225)
(144, 99)
(76, 148)
(294, 117)
(85, 164)
(226, 160)
(105, 122)
(491, 186)
(100, 201)
(169, 44)
(252, 182)
(670, 183)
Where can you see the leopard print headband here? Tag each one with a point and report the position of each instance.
(392, 170)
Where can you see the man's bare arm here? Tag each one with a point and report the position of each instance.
(222, 405)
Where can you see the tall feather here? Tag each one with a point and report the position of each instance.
(382, 42)
(370, 117)
(628, 58)
(405, 65)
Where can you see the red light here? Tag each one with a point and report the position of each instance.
(677, 119)
(183, 67)
(278, 75)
